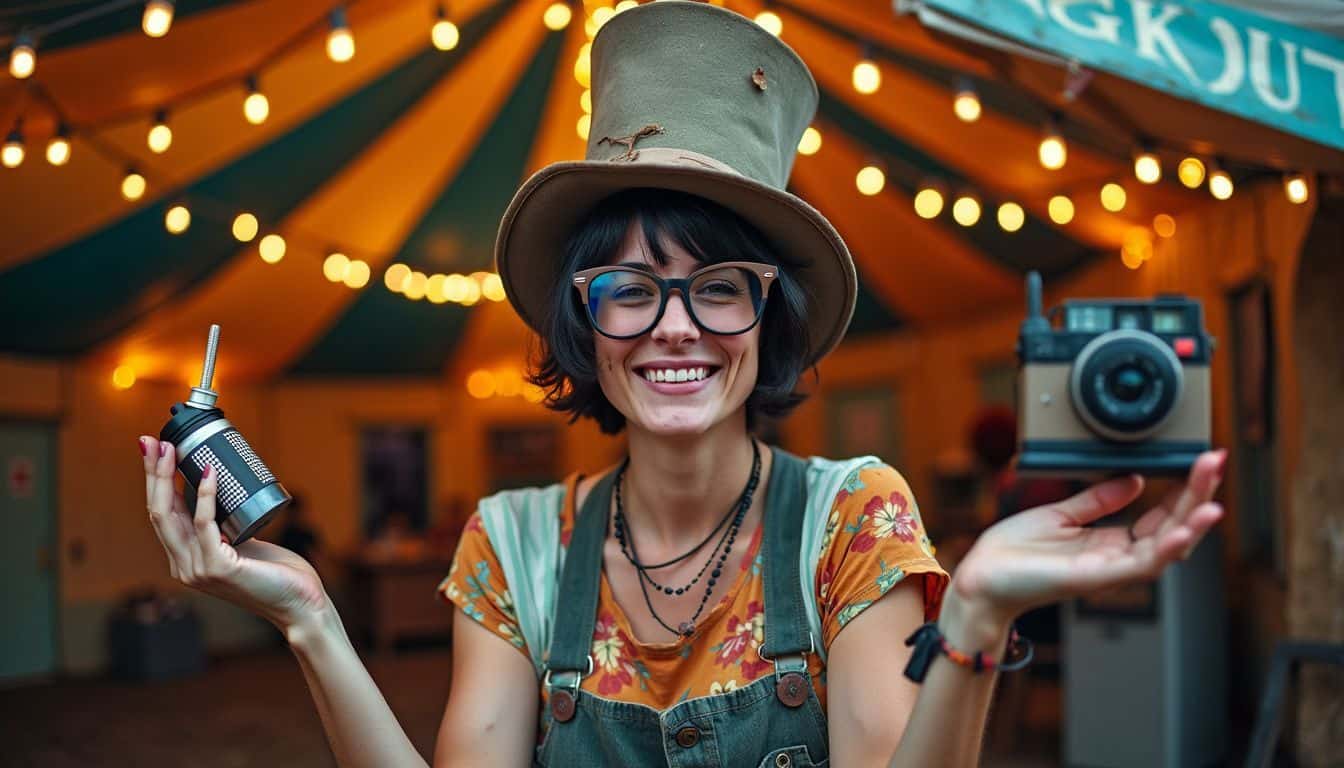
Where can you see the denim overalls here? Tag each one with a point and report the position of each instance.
(776, 721)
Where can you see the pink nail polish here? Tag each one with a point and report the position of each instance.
(207, 471)
(143, 450)
(163, 450)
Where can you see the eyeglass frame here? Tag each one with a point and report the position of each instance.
(766, 273)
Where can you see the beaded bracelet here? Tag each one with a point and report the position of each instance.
(929, 642)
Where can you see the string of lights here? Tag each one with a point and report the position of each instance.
(866, 78)
(1193, 171)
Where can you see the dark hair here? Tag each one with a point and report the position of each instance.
(566, 367)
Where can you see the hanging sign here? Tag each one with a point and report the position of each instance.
(1237, 61)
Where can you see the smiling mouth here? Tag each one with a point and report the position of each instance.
(676, 375)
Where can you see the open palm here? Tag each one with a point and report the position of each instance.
(1049, 553)
(266, 579)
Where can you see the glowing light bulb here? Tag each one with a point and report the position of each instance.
(867, 78)
(245, 227)
(434, 289)
(1011, 217)
(966, 104)
(1147, 168)
(810, 143)
(395, 276)
(340, 43)
(1191, 172)
(1052, 151)
(870, 180)
(584, 125)
(160, 136)
(414, 288)
(335, 267)
(11, 155)
(928, 202)
(473, 293)
(58, 149)
(357, 276)
(1113, 197)
(557, 16)
(1220, 184)
(770, 22)
(23, 56)
(177, 219)
(1060, 209)
(1164, 225)
(444, 34)
(586, 101)
(272, 249)
(123, 377)
(1296, 188)
(256, 107)
(455, 287)
(966, 210)
(492, 288)
(133, 185)
(158, 17)
(602, 15)
(481, 384)
(583, 72)
(626, 5)
(1131, 259)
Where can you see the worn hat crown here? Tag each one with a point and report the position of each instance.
(665, 76)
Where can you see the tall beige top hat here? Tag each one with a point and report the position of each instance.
(698, 99)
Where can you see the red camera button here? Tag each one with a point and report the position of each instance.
(1185, 346)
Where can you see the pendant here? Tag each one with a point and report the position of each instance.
(686, 628)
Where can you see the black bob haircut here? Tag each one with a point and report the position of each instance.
(566, 367)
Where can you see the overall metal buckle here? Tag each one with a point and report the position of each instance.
(564, 699)
(791, 686)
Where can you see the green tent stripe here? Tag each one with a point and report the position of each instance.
(382, 333)
(88, 291)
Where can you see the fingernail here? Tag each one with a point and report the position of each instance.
(144, 451)
(163, 450)
(1222, 465)
(207, 471)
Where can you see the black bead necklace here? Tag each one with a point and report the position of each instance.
(721, 549)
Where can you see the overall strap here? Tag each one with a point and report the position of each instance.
(786, 623)
(576, 603)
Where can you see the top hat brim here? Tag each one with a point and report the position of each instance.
(546, 209)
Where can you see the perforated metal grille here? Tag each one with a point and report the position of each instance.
(231, 494)
(246, 453)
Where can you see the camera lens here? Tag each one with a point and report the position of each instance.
(1125, 384)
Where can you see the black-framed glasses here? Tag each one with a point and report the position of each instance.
(724, 299)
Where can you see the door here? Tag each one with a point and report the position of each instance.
(27, 550)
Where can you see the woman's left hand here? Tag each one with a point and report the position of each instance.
(1046, 554)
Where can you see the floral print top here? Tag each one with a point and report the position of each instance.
(874, 538)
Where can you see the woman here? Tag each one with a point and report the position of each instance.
(709, 601)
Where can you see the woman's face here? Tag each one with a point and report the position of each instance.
(675, 343)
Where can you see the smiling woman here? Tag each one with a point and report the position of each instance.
(654, 232)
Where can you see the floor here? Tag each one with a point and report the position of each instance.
(243, 711)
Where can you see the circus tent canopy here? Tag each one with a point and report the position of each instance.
(407, 155)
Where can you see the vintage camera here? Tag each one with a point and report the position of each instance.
(1122, 385)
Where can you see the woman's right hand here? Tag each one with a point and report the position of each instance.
(258, 576)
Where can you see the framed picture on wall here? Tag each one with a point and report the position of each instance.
(394, 470)
(522, 455)
(862, 422)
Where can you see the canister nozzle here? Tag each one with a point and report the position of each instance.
(203, 396)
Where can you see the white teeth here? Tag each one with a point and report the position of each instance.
(675, 375)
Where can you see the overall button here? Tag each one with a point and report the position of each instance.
(562, 706)
(791, 689)
(782, 760)
(688, 736)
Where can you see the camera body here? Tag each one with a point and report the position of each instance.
(1121, 386)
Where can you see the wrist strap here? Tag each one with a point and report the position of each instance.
(929, 643)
